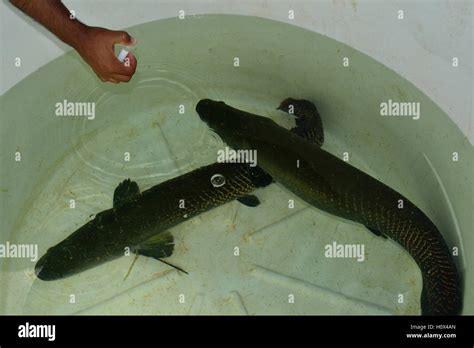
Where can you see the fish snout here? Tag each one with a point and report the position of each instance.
(43, 269)
(210, 111)
(203, 108)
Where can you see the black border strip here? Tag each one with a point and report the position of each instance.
(230, 329)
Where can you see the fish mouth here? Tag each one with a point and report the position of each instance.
(44, 272)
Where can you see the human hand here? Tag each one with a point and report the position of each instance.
(96, 47)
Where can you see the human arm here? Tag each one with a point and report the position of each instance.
(94, 44)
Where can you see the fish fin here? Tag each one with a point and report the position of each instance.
(259, 177)
(174, 266)
(376, 232)
(308, 121)
(131, 266)
(159, 246)
(125, 191)
(249, 200)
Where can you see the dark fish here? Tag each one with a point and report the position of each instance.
(140, 221)
(334, 186)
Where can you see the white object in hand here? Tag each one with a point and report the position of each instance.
(121, 56)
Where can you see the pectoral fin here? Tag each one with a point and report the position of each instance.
(157, 247)
(259, 177)
(308, 121)
(126, 191)
(249, 200)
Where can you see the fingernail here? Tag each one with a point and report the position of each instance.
(133, 41)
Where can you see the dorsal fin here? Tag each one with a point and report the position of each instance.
(125, 192)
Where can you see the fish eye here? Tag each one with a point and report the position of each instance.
(218, 180)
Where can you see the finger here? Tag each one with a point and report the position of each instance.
(132, 62)
(121, 78)
(122, 37)
(128, 67)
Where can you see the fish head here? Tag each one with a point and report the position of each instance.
(54, 265)
(215, 114)
(234, 126)
(83, 249)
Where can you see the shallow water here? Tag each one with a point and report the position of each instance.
(281, 249)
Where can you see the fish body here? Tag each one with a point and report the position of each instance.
(138, 222)
(334, 186)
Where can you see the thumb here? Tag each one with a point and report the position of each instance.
(124, 38)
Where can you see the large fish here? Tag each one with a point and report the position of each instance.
(139, 222)
(334, 186)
